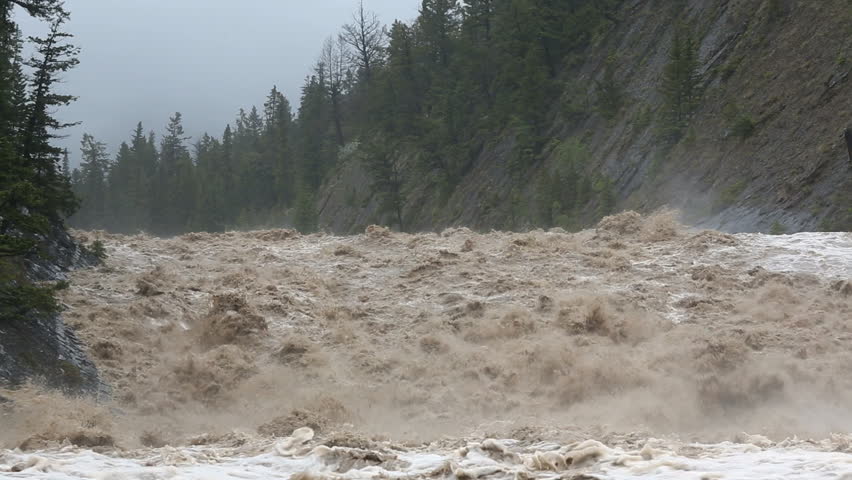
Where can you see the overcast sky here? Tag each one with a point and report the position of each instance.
(142, 60)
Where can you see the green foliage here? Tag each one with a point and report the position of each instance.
(644, 118)
(610, 93)
(777, 228)
(382, 163)
(606, 196)
(775, 10)
(680, 86)
(730, 68)
(98, 250)
(574, 102)
(71, 372)
(305, 214)
(35, 193)
(743, 126)
(566, 190)
(840, 219)
(437, 90)
(730, 194)
(20, 298)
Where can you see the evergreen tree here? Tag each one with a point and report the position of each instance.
(174, 191)
(438, 22)
(305, 217)
(121, 191)
(277, 151)
(35, 195)
(332, 64)
(382, 164)
(53, 57)
(680, 85)
(210, 206)
(66, 164)
(400, 105)
(435, 92)
(316, 145)
(92, 189)
(610, 94)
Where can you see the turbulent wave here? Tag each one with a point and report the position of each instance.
(638, 329)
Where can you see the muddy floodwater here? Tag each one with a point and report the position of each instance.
(637, 349)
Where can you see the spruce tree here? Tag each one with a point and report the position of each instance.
(382, 163)
(34, 194)
(92, 190)
(680, 85)
(277, 150)
(174, 191)
(438, 22)
(610, 93)
(53, 58)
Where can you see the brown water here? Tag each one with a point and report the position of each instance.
(639, 327)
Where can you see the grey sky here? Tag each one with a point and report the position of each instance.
(142, 60)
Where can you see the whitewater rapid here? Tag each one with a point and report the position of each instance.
(792, 460)
(659, 275)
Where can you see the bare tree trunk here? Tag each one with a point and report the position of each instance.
(366, 36)
(338, 124)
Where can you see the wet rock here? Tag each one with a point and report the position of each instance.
(42, 345)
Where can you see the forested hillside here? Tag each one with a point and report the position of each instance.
(35, 196)
(518, 114)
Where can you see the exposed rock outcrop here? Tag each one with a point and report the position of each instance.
(42, 347)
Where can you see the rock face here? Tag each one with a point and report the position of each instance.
(783, 68)
(43, 348)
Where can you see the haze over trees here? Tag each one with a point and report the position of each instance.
(435, 90)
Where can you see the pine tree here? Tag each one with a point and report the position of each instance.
(332, 65)
(382, 164)
(316, 145)
(210, 206)
(66, 164)
(305, 214)
(229, 191)
(438, 22)
(610, 93)
(53, 57)
(34, 193)
(399, 106)
(143, 160)
(122, 192)
(93, 168)
(13, 93)
(680, 85)
(174, 191)
(277, 151)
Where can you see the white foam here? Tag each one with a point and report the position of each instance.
(720, 461)
(823, 254)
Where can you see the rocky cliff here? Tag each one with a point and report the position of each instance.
(42, 347)
(764, 150)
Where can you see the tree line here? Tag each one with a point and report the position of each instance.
(437, 90)
(35, 196)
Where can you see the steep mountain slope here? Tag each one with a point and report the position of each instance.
(41, 347)
(764, 150)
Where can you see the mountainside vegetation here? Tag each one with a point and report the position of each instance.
(35, 195)
(518, 114)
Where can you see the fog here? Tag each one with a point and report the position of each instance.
(144, 60)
